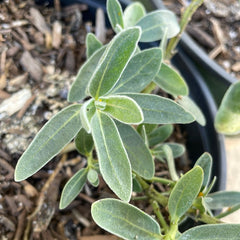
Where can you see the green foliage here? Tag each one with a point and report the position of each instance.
(92, 44)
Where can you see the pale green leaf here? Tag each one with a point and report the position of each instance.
(86, 113)
(73, 187)
(184, 193)
(171, 81)
(137, 186)
(84, 142)
(213, 232)
(49, 141)
(92, 177)
(160, 110)
(163, 43)
(154, 24)
(140, 71)
(133, 13)
(125, 220)
(205, 162)
(115, 14)
(122, 108)
(138, 153)
(228, 116)
(114, 61)
(92, 44)
(113, 160)
(190, 106)
(223, 199)
(160, 134)
(78, 89)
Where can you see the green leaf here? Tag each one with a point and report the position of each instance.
(160, 134)
(78, 89)
(171, 81)
(124, 220)
(140, 71)
(193, 109)
(113, 160)
(73, 187)
(122, 108)
(84, 142)
(133, 13)
(223, 199)
(114, 61)
(154, 24)
(93, 44)
(213, 231)
(228, 116)
(92, 177)
(138, 153)
(137, 186)
(160, 110)
(184, 193)
(49, 141)
(205, 162)
(115, 14)
(86, 113)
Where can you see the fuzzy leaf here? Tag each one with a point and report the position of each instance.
(84, 142)
(160, 135)
(154, 24)
(184, 193)
(113, 160)
(124, 220)
(93, 44)
(73, 187)
(78, 89)
(228, 116)
(205, 162)
(140, 71)
(223, 199)
(213, 231)
(160, 110)
(122, 108)
(138, 153)
(115, 14)
(190, 106)
(92, 177)
(133, 13)
(114, 61)
(49, 141)
(171, 81)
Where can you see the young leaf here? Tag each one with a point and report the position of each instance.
(133, 13)
(184, 193)
(160, 134)
(160, 110)
(213, 231)
(92, 177)
(115, 14)
(93, 44)
(223, 199)
(154, 24)
(124, 220)
(73, 187)
(122, 108)
(140, 71)
(138, 153)
(113, 160)
(78, 89)
(228, 116)
(171, 81)
(49, 141)
(137, 186)
(84, 142)
(205, 162)
(114, 61)
(192, 108)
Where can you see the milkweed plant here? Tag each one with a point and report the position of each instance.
(115, 115)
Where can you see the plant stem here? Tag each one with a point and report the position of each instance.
(228, 211)
(171, 235)
(139, 198)
(205, 218)
(159, 215)
(151, 86)
(163, 181)
(186, 17)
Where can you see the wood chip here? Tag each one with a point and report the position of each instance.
(57, 34)
(26, 106)
(18, 81)
(100, 30)
(3, 81)
(99, 237)
(32, 66)
(4, 95)
(236, 67)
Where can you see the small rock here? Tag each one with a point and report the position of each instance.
(236, 67)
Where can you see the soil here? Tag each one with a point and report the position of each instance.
(41, 50)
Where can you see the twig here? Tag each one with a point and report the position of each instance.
(20, 226)
(26, 106)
